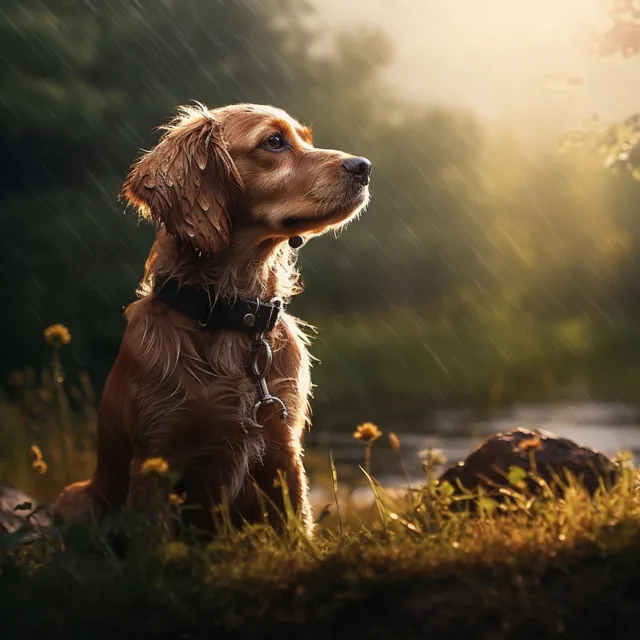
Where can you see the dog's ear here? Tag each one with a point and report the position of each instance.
(188, 181)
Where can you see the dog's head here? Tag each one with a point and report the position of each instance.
(248, 166)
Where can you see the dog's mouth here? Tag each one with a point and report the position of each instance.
(299, 224)
(338, 214)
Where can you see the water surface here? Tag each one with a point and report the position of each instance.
(607, 427)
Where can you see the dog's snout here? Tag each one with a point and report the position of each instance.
(359, 167)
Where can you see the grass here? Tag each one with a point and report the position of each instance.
(50, 418)
(407, 566)
(534, 568)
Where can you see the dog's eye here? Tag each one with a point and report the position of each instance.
(276, 142)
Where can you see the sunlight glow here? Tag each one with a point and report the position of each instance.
(505, 59)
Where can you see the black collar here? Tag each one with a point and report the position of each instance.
(250, 316)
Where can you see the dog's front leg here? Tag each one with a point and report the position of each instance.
(282, 477)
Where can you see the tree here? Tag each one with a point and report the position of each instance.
(619, 143)
(83, 85)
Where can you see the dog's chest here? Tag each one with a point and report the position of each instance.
(239, 371)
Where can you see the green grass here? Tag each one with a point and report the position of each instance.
(534, 568)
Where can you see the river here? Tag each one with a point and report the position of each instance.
(607, 427)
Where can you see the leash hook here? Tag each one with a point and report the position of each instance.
(261, 344)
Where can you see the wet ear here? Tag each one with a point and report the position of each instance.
(187, 182)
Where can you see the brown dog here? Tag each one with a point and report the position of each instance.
(232, 190)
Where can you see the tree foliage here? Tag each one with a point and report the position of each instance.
(464, 222)
(617, 36)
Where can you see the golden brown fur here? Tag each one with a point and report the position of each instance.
(226, 203)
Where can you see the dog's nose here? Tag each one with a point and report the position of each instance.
(359, 167)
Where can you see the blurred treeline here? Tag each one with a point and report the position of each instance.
(484, 270)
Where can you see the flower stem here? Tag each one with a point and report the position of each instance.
(63, 417)
(367, 456)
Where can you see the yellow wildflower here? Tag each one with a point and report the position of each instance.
(154, 465)
(57, 335)
(40, 466)
(367, 432)
(38, 460)
(394, 441)
(177, 499)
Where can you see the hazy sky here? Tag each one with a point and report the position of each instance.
(496, 56)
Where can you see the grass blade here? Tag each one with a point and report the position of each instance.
(334, 488)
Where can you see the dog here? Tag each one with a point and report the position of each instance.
(213, 376)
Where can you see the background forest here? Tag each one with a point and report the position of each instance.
(487, 269)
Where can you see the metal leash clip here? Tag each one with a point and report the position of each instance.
(259, 375)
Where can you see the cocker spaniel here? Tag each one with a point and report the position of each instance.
(213, 376)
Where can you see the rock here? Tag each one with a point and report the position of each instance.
(488, 464)
(11, 520)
